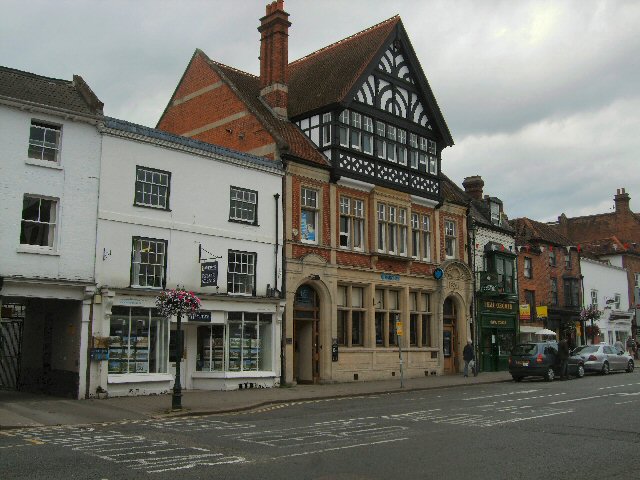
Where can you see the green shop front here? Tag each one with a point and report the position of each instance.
(497, 332)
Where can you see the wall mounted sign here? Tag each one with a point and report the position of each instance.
(438, 273)
(199, 316)
(389, 276)
(503, 306)
(209, 274)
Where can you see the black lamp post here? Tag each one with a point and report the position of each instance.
(176, 398)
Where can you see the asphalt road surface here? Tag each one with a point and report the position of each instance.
(580, 429)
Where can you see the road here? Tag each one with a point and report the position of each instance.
(587, 429)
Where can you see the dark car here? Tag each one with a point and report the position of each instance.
(540, 359)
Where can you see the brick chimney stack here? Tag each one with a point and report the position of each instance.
(473, 186)
(274, 57)
(622, 201)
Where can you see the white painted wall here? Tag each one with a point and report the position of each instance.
(484, 236)
(74, 182)
(199, 214)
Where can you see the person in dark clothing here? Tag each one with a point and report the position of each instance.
(563, 359)
(467, 356)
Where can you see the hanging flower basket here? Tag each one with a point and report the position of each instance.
(592, 331)
(590, 313)
(177, 302)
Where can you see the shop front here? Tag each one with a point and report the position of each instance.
(231, 343)
(498, 332)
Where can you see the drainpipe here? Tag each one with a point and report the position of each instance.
(275, 268)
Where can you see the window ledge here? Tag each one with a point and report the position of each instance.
(251, 374)
(44, 163)
(37, 250)
(139, 377)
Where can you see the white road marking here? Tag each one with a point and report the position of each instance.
(342, 448)
(619, 386)
(500, 395)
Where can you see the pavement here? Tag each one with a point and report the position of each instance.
(19, 409)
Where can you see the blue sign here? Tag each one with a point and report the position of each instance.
(438, 273)
(389, 276)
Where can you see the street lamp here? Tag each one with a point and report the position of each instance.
(177, 302)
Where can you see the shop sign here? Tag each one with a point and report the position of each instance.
(498, 322)
(389, 276)
(525, 312)
(502, 306)
(99, 354)
(541, 312)
(199, 316)
(209, 274)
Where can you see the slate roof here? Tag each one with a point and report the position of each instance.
(287, 135)
(452, 192)
(610, 246)
(530, 231)
(70, 96)
(311, 88)
(128, 127)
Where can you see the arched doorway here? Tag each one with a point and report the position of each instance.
(449, 336)
(306, 335)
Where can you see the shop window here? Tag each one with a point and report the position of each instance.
(387, 313)
(419, 319)
(351, 316)
(138, 341)
(211, 348)
(249, 342)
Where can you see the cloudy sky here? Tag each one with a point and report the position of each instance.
(542, 97)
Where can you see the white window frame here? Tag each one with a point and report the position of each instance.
(450, 239)
(51, 226)
(241, 273)
(326, 129)
(309, 200)
(426, 237)
(594, 297)
(351, 223)
(243, 205)
(527, 268)
(154, 185)
(38, 148)
(156, 262)
(616, 301)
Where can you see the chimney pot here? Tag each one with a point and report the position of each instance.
(473, 186)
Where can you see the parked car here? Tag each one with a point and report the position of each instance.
(540, 359)
(603, 358)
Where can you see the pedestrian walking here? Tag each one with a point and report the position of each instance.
(468, 356)
(563, 358)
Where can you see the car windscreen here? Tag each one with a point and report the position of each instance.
(524, 349)
(585, 349)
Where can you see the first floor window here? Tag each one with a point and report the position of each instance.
(38, 226)
(148, 262)
(241, 273)
(243, 205)
(138, 341)
(152, 188)
(554, 291)
(309, 215)
(571, 292)
(44, 141)
(392, 229)
(594, 298)
(421, 236)
(351, 223)
(450, 238)
(527, 268)
(250, 339)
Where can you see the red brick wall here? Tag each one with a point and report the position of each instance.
(243, 134)
(632, 264)
(300, 251)
(389, 265)
(353, 259)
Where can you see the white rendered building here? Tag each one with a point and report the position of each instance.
(178, 212)
(605, 285)
(49, 175)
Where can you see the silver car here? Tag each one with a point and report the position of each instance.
(603, 358)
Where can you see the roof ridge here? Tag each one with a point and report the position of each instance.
(242, 72)
(343, 40)
(35, 75)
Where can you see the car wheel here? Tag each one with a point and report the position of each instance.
(550, 375)
(605, 368)
(516, 378)
(630, 366)
(580, 372)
